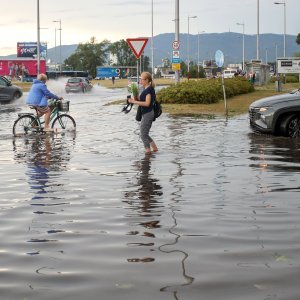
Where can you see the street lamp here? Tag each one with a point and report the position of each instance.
(284, 21)
(199, 52)
(60, 62)
(243, 24)
(257, 36)
(38, 39)
(55, 47)
(152, 41)
(188, 44)
(177, 73)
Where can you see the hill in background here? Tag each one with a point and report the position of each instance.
(229, 42)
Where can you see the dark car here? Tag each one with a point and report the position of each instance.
(8, 92)
(278, 115)
(78, 84)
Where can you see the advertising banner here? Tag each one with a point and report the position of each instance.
(288, 65)
(29, 49)
(21, 67)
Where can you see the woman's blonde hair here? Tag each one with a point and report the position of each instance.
(148, 76)
(42, 77)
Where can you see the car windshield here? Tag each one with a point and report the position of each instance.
(3, 82)
(74, 80)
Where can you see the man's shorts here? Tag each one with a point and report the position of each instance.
(42, 109)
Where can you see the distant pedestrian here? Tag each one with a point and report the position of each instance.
(253, 78)
(11, 70)
(16, 71)
(113, 80)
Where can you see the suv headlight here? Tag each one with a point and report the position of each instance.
(264, 109)
(266, 112)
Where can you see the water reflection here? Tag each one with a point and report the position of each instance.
(144, 200)
(271, 153)
(46, 157)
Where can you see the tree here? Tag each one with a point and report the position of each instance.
(183, 68)
(88, 56)
(194, 71)
(123, 53)
(125, 57)
(298, 39)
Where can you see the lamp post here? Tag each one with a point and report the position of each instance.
(198, 63)
(284, 25)
(60, 63)
(177, 73)
(188, 44)
(243, 24)
(38, 39)
(152, 41)
(55, 47)
(257, 37)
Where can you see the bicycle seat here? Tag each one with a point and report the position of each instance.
(26, 114)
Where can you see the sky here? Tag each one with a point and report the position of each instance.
(121, 19)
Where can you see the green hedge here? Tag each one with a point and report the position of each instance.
(288, 79)
(204, 91)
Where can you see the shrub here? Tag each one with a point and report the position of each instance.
(204, 91)
(292, 78)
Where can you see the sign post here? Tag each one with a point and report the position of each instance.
(219, 58)
(176, 57)
(137, 45)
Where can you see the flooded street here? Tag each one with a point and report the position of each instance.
(215, 214)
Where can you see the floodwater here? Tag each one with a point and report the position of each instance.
(215, 214)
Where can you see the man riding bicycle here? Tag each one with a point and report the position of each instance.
(38, 96)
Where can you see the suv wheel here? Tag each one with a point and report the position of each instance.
(290, 126)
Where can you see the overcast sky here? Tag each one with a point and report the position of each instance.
(121, 19)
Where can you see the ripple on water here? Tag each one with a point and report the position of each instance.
(215, 212)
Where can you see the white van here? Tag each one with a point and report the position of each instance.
(229, 73)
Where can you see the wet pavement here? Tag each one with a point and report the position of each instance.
(214, 214)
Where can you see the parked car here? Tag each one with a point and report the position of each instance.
(9, 92)
(278, 115)
(229, 73)
(78, 84)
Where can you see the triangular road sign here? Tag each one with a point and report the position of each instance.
(137, 45)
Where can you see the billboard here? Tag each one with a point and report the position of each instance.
(288, 65)
(107, 72)
(21, 67)
(29, 49)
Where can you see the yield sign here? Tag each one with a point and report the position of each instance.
(137, 45)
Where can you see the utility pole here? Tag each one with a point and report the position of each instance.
(38, 39)
(188, 46)
(177, 72)
(243, 24)
(257, 37)
(152, 42)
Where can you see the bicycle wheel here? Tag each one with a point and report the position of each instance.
(23, 125)
(63, 122)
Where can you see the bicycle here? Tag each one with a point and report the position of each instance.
(28, 123)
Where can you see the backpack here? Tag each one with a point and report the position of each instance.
(157, 109)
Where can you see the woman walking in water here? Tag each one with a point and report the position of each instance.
(146, 101)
